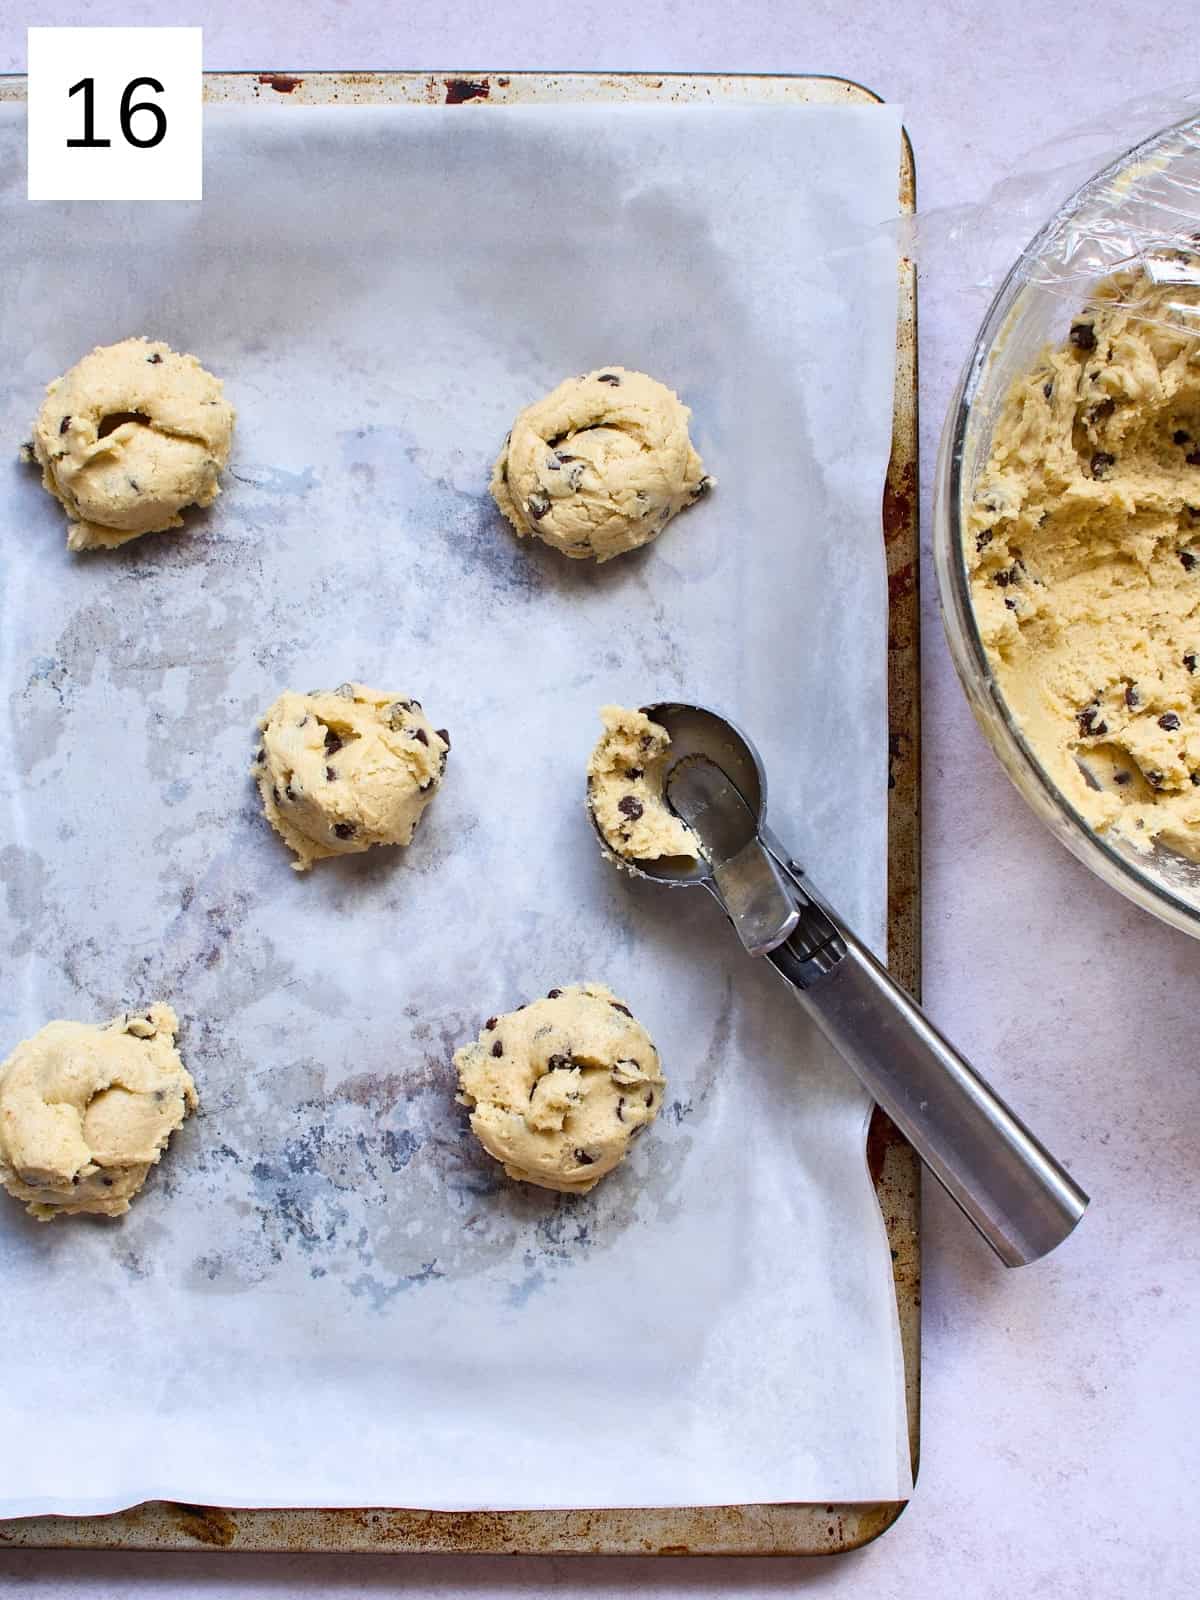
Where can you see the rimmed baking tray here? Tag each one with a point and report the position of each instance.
(793, 1529)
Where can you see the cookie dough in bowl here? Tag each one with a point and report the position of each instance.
(340, 770)
(87, 1109)
(600, 465)
(560, 1088)
(1083, 547)
(625, 790)
(129, 438)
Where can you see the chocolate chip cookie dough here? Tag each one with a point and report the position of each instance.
(600, 465)
(128, 438)
(340, 770)
(559, 1088)
(87, 1109)
(1083, 544)
(625, 789)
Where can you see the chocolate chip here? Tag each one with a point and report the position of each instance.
(1189, 661)
(1103, 410)
(260, 755)
(559, 1063)
(497, 1048)
(107, 1182)
(344, 830)
(1048, 389)
(1193, 458)
(1010, 605)
(562, 457)
(333, 742)
(155, 359)
(982, 540)
(444, 737)
(621, 1109)
(584, 1159)
(490, 1024)
(649, 1097)
(424, 788)
(630, 806)
(1195, 777)
(553, 994)
(135, 486)
(1131, 695)
(1154, 779)
(1188, 560)
(1182, 436)
(537, 505)
(1088, 726)
(1169, 721)
(633, 773)
(1120, 777)
(64, 425)
(1001, 580)
(118, 419)
(703, 487)
(608, 377)
(275, 794)
(1101, 462)
(419, 735)
(617, 1006)
(1083, 336)
(289, 792)
(330, 774)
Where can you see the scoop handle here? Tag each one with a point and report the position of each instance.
(1018, 1196)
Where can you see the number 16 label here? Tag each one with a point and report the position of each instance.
(115, 114)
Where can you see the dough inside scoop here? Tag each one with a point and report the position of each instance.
(625, 790)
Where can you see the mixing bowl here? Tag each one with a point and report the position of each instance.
(1135, 210)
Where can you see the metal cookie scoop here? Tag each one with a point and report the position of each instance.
(1020, 1199)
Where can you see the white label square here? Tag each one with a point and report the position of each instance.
(115, 114)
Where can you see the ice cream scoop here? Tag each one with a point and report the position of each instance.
(1017, 1195)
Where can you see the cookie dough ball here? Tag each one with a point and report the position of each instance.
(600, 466)
(127, 439)
(559, 1088)
(625, 790)
(87, 1109)
(342, 769)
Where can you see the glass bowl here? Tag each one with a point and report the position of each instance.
(1138, 206)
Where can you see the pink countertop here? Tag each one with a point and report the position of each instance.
(1059, 1401)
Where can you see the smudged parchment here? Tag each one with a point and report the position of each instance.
(329, 1294)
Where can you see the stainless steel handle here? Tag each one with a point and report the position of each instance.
(1014, 1191)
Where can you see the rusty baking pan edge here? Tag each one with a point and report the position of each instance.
(792, 1529)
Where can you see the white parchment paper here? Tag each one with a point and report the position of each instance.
(327, 1294)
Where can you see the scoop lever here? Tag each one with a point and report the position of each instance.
(746, 880)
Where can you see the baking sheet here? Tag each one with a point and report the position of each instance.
(327, 1297)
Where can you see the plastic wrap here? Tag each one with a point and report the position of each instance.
(1122, 193)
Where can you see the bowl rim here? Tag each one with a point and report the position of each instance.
(959, 621)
